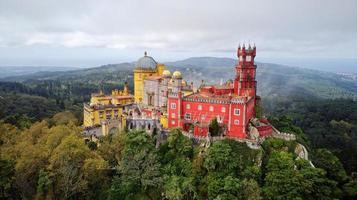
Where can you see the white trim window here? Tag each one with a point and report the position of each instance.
(237, 111)
(223, 109)
(173, 105)
(188, 106)
(236, 122)
(248, 58)
(199, 107)
(211, 108)
(188, 116)
(173, 122)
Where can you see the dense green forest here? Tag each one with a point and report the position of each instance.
(326, 123)
(51, 160)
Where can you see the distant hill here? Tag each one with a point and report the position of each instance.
(8, 71)
(273, 79)
(87, 73)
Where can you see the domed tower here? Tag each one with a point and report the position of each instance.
(176, 82)
(145, 66)
(166, 76)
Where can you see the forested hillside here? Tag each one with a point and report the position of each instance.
(51, 159)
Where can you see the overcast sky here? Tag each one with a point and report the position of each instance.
(89, 33)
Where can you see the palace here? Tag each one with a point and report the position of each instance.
(163, 101)
(231, 104)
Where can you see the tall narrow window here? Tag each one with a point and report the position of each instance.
(237, 111)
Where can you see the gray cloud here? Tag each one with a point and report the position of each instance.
(280, 28)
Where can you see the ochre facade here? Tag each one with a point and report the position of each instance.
(106, 107)
(145, 67)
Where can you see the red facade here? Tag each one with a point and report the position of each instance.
(232, 104)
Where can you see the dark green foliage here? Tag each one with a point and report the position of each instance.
(225, 188)
(258, 111)
(7, 171)
(22, 109)
(273, 144)
(138, 170)
(350, 189)
(287, 179)
(214, 128)
(176, 158)
(250, 190)
(330, 124)
(20, 120)
(324, 159)
(226, 162)
(92, 145)
(44, 182)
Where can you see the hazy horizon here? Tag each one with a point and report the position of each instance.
(327, 65)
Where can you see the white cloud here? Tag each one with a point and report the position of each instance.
(323, 28)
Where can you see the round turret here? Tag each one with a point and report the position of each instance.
(177, 74)
(166, 73)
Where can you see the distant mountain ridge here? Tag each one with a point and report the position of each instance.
(273, 79)
(8, 71)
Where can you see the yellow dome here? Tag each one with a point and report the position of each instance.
(166, 73)
(177, 74)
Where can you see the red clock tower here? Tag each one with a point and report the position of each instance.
(244, 82)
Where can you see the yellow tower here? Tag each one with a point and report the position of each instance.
(160, 69)
(145, 66)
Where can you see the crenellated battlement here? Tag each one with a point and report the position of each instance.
(244, 51)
